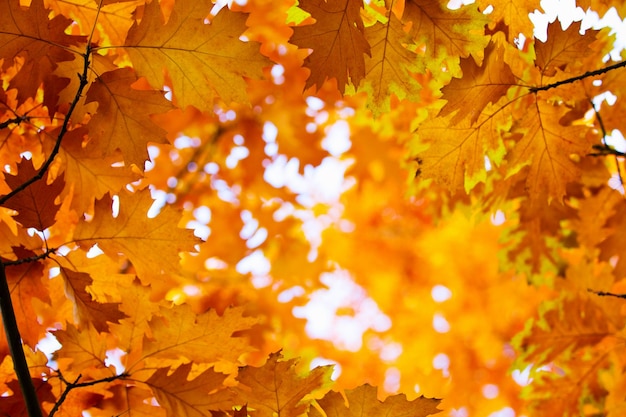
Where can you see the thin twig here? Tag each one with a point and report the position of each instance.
(578, 77)
(64, 128)
(15, 347)
(34, 258)
(605, 149)
(606, 294)
(69, 386)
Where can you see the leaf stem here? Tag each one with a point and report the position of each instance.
(578, 77)
(15, 347)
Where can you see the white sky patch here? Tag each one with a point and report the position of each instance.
(498, 218)
(440, 293)
(337, 140)
(440, 324)
(324, 362)
(392, 380)
(345, 331)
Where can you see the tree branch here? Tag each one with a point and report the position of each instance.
(15, 347)
(66, 121)
(69, 386)
(578, 77)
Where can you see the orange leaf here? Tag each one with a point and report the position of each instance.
(337, 42)
(86, 309)
(152, 245)
(363, 402)
(201, 59)
(122, 120)
(479, 86)
(35, 205)
(276, 388)
(199, 338)
(42, 42)
(182, 397)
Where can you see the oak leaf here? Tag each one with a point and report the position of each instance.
(182, 397)
(26, 283)
(336, 40)
(88, 174)
(391, 66)
(86, 309)
(206, 338)
(122, 120)
(201, 59)
(457, 152)
(563, 329)
(276, 389)
(363, 402)
(445, 33)
(41, 41)
(479, 85)
(82, 352)
(548, 148)
(36, 204)
(565, 50)
(152, 245)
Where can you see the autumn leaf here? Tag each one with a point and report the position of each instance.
(548, 148)
(41, 42)
(122, 120)
(457, 155)
(204, 61)
(86, 309)
(206, 338)
(181, 396)
(277, 389)
(151, 245)
(445, 33)
(553, 337)
(89, 174)
(336, 40)
(477, 88)
(565, 50)
(390, 67)
(82, 351)
(363, 401)
(37, 204)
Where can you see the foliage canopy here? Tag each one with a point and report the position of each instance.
(201, 202)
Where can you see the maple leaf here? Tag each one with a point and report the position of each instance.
(86, 309)
(36, 205)
(152, 245)
(200, 58)
(189, 398)
(363, 401)
(276, 388)
(122, 120)
(199, 338)
(336, 40)
(42, 43)
(479, 86)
